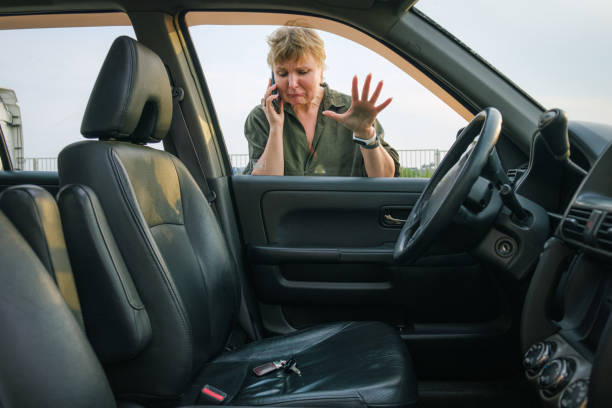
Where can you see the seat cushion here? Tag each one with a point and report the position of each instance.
(343, 364)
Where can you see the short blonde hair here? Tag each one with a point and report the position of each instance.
(292, 43)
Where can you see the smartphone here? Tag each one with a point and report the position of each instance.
(275, 102)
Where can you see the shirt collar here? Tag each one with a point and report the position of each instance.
(332, 98)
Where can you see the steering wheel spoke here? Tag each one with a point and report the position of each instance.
(449, 186)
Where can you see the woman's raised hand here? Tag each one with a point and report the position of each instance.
(274, 119)
(362, 113)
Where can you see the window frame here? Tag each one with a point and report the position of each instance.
(5, 157)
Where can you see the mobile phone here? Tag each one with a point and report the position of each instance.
(275, 102)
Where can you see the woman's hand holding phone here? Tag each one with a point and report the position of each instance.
(273, 100)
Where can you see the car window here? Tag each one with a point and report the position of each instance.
(49, 66)
(417, 124)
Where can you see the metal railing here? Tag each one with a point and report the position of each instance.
(37, 164)
(413, 162)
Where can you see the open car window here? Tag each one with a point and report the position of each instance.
(49, 67)
(420, 124)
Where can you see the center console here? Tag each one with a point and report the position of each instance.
(566, 330)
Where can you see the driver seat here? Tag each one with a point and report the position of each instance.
(165, 234)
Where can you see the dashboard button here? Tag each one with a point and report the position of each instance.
(538, 355)
(555, 374)
(575, 395)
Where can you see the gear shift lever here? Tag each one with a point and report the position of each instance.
(553, 128)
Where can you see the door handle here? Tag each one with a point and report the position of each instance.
(394, 220)
(394, 216)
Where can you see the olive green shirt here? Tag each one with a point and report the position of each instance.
(333, 151)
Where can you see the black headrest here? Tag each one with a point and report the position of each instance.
(132, 98)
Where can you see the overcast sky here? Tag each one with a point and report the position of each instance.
(558, 51)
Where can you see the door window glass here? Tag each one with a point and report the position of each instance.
(417, 124)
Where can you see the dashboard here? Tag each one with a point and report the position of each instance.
(566, 329)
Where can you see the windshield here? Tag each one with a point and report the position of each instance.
(555, 50)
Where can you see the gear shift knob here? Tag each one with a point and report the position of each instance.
(553, 128)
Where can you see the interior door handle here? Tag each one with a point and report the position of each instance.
(394, 216)
(394, 220)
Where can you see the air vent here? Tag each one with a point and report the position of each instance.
(575, 223)
(514, 174)
(604, 234)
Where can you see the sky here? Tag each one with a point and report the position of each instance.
(556, 50)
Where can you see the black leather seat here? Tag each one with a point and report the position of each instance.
(46, 360)
(174, 250)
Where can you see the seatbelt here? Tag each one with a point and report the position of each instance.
(185, 147)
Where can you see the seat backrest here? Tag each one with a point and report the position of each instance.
(45, 359)
(165, 229)
(116, 320)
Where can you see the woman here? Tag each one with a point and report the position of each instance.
(316, 130)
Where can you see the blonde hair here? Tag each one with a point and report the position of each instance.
(292, 43)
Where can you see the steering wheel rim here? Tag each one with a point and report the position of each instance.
(449, 186)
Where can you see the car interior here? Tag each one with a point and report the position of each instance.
(136, 276)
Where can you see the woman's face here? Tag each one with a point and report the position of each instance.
(299, 80)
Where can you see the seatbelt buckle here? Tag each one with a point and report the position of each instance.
(211, 395)
(269, 367)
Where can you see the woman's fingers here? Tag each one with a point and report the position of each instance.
(333, 115)
(366, 88)
(269, 106)
(376, 93)
(383, 105)
(354, 89)
(266, 99)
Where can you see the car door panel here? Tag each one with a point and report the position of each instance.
(319, 251)
(321, 241)
(48, 180)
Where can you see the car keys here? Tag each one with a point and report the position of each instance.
(291, 366)
(269, 367)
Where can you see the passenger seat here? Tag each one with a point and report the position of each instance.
(45, 359)
(183, 272)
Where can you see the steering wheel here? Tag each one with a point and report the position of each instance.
(449, 186)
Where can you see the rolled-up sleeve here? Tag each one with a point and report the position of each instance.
(256, 131)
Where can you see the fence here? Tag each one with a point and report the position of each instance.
(414, 162)
(37, 164)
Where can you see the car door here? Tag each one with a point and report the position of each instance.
(319, 249)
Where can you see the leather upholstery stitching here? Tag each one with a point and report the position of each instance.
(108, 251)
(235, 270)
(128, 92)
(119, 176)
(293, 399)
(328, 336)
(39, 222)
(201, 267)
(165, 223)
